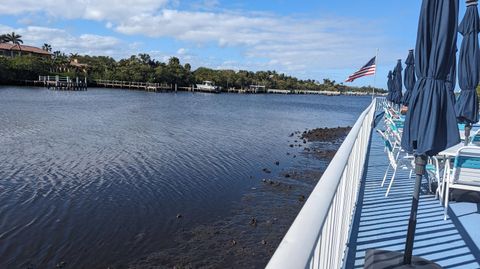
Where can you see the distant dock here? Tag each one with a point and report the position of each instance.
(146, 86)
(77, 84)
(150, 87)
(59, 83)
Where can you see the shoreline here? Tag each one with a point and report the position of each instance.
(30, 84)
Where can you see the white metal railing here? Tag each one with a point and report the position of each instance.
(61, 79)
(381, 103)
(318, 236)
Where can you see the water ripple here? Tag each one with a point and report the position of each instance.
(97, 178)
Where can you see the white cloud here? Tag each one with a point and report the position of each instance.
(206, 4)
(182, 51)
(86, 9)
(268, 41)
(63, 41)
(294, 44)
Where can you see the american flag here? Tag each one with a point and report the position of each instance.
(367, 70)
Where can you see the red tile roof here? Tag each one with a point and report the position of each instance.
(15, 47)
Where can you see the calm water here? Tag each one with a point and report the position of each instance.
(97, 178)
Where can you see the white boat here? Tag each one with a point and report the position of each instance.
(207, 86)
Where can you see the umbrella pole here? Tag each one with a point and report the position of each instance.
(468, 128)
(420, 163)
(384, 259)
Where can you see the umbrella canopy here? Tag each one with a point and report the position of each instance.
(452, 79)
(397, 80)
(409, 79)
(468, 66)
(430, 123)
(390, 87)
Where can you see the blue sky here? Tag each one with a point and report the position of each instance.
(308, 39)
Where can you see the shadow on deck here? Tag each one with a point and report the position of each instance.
(381, 222)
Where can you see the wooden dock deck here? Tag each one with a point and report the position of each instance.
(381, 222)
(146, 86)
(59, 83)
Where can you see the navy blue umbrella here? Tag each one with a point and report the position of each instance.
(409, 78)
(431, 126)
(397, 80)
(430, 123)
(468, 68)
(390, 87)
(452, 79)
(394, 91)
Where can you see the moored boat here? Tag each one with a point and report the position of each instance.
(207, 86)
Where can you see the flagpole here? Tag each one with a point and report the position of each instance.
(375, 76)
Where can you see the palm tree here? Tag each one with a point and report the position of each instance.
(14, 38)
(47, 47)
(73, 56)
(3, 38)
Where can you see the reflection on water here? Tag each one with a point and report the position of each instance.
(98, 178)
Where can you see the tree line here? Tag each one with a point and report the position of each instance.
(143, 68)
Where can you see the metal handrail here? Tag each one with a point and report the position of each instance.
(318, 236)
(381, 103)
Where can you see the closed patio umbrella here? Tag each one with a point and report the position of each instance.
(409, 78)
(468, 69)
(390, 87)
(452, 79)
(397, 79)
(430, 124)
(394, 91)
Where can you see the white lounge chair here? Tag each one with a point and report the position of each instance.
(465, 174)
(395, 160)
(475, 139)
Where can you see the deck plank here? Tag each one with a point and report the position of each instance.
(381, 223)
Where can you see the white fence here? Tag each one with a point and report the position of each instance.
(318, 236)
(61, 79)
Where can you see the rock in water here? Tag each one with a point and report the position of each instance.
(326, 134)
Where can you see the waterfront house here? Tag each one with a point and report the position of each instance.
(78, 67)
(72, 66)
(13, 50)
